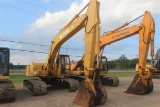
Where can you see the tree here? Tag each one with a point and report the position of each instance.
(122, 62)
(133, 62)
(111, 64)
(11, 65)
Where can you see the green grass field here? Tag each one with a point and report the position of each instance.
(18, 78)
(122, 74)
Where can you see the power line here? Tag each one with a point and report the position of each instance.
(18, 11)
(69, 55)
(120, 53)
(12, 8)
(49, 46)
(37, 44)
(22, 42)
(31, 4)
(28, 51)
(61, 47)
(37, 52)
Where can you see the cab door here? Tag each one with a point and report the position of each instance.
(4, 61)
(65, 64)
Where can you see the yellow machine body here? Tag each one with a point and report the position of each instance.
(53, 68)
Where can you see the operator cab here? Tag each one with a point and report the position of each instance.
(104, 64)
(4, 61)
(64, 63)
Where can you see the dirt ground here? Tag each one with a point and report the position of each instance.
(62, 98)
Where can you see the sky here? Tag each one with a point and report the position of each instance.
(38, 22)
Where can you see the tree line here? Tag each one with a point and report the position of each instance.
(12, 66)
(123, 63)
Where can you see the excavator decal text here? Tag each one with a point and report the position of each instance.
(66, 32)
(124, 33)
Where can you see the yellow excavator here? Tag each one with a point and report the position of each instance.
(91, 92)
(54, 71)
(142, 83)
(7, 88)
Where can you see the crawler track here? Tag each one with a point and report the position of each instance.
(7, 91)
(37, 86)
(73, 84)
(111, 81)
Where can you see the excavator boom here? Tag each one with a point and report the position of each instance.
(62, 37)
(112, 37)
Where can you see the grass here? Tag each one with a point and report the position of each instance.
(122, 74)
(18, 78)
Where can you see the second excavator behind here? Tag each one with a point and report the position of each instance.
(143, 83)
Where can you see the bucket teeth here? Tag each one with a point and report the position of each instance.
(138, 87)
(86, 98)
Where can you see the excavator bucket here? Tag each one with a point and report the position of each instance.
(139, 86)
(86, 98)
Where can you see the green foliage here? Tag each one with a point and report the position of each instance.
(11, 65)
(18, 78)
(124, 63)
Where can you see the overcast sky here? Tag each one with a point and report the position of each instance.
(38, 21)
